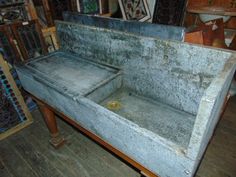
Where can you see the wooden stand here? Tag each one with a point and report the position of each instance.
(49, 117)
(57, 141)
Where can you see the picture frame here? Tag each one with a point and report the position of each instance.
(8, 47)
(14, 113)
(89, 6)
(169, 12)
(135, 10)
(13, 11)
(29, 38)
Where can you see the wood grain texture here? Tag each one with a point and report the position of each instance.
(4, 171)
(194, 37)
(36, 135)
(35, 158)
(191, 18)
(220, 157)
(14, 162)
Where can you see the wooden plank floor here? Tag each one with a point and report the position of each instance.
(220, 157)
(28, 153)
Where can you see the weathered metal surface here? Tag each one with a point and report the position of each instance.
(89, 75)
(152, 67)
(135, 27)
(170, 93)
(161, 119)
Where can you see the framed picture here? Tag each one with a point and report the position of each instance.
(58, 6)
(50, 10)
(135, 10)
(29, 38)
(169, 12)
(7, 46)
(12, 12)
(14, 114)
(89, 6)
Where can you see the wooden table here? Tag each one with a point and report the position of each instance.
(57, 140)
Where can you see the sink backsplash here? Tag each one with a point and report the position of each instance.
(174, 73)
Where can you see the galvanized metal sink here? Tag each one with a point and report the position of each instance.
(157, 101)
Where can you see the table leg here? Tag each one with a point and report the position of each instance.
(143, 174)
(49, 117)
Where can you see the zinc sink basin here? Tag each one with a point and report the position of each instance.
(156, 101)
(161, 119)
